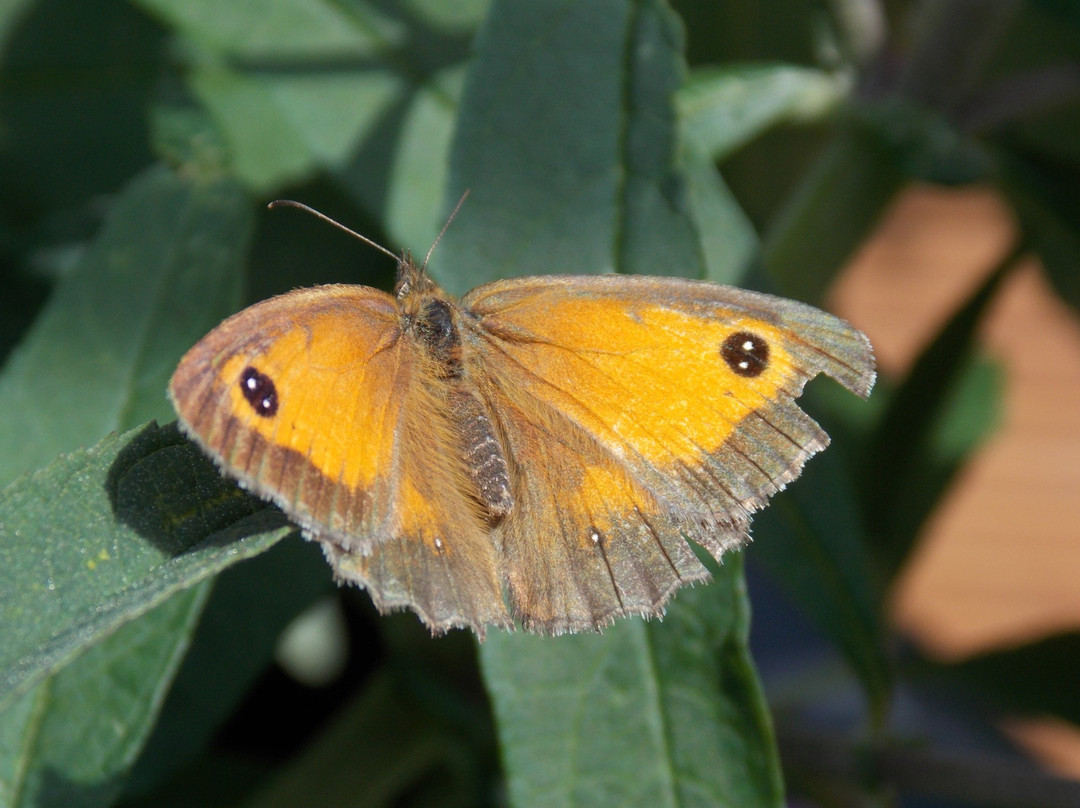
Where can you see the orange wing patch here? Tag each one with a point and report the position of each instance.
(689, 385)
(297, 398)
(653, 377)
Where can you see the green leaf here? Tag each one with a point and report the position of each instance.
(103, 535)
(723, 108)
(130, 528)
(1049, 212)
(663, 713)
(1035, 680)
(654, 229)
(418, 178)
(968, 413)
(100, 354)
(567, 140)
(68, 742)
(251, 604)
(719, 110)
(830, 213)
(293, 85)
(280, 28)
(812, 541)
(281, 128)
(727, 239)
(463, 15)
(98, 359)
(924, 143)
(566, 143)
(79, 538)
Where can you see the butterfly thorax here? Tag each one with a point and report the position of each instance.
(431, 318)
(428, 317)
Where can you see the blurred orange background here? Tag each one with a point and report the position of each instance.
(999, 563)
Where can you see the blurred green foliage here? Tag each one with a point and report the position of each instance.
(745, 142)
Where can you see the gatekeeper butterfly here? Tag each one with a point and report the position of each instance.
(541, 449)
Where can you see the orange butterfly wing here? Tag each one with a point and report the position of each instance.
(638, 411)
(314, 400)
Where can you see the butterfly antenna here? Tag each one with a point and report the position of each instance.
(438, 238)
(291, 203)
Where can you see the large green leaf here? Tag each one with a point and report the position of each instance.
(100, 354)
(68, 742)
(661, 713)
(127, 529)
(724, 107)
(89, 541)
(293, 85)
(103, 535)
(568, 142)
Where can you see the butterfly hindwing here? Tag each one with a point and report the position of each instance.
(585, 543)
(439, 560)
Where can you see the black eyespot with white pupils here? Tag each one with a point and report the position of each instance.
(260, 392)
(746, 354)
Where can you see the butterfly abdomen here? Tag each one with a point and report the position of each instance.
(483, 454)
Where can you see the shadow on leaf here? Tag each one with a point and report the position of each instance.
(164, 488)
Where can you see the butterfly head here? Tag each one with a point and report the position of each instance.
(412, 280)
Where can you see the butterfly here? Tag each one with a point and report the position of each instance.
(540, 450)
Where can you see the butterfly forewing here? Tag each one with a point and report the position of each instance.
(653, 370)
(277, 393)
